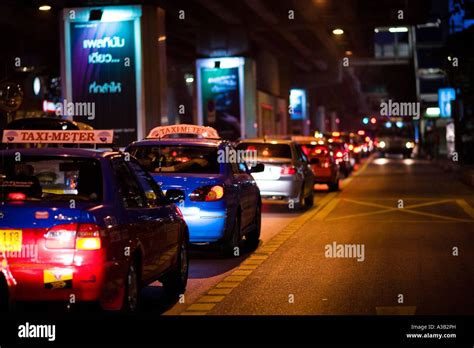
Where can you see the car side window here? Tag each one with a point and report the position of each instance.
(300, 154)
(153, 193)
(131, 192)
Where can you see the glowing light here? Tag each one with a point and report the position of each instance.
(44, 8)
(398, 29)
(338, 31)
(433, 111)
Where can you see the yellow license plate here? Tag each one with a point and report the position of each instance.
(10, 240)
(57, 278)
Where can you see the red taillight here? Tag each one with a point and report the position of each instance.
(339, 154)
(88, 237)
(288, 170)
(16, 196)
(207, 194)
(70, 236)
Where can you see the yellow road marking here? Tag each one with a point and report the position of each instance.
(466, 207)
(327, 209)
(217, 294)
(408, 209)
(396, 310)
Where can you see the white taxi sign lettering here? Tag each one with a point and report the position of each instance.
(205, 132)
(58, 136)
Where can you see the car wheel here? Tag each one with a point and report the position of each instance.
(228, 247)
(253, 237)
(334, 186)
(175, 282)
(309, 201)
(131, 295)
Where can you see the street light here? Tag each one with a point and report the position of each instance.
(338, 31)
(44, 8)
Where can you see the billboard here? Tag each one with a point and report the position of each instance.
(102, 68)
(297, 104)
(221, 100)
(445, 96)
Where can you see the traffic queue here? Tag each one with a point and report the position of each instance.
(96, 224)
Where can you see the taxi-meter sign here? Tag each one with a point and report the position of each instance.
(59, 136)
(163, 131)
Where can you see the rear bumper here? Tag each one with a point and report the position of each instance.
(81, 283)
(282, 189)
(324, 175)
(205, 226)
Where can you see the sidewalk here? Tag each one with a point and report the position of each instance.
(464, 172)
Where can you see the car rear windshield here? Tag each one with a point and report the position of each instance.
(178, 159)
(314, 150)
(43, 178)
(267, 150)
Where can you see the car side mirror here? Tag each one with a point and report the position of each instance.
(257, 168)
(314, 160)
(174, 196)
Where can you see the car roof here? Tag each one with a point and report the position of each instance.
(60, 151)
(178, 141)
(42, 123)
(268, 140)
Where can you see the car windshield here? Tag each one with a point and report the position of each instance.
(43, 178)
(267, 150)
(178, 159)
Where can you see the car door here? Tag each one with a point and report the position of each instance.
(165, 225)
(141, 223)
(303, 163)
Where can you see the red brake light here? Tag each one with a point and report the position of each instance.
(207, 194)
(16, 196)
(285, 170)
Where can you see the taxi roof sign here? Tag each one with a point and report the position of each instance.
(13, 136)
(204, 131)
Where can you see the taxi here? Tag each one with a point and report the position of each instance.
(321, 159)
(221, 202)
(7, 284)
(82, 225)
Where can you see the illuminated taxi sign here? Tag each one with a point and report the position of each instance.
(163, 131)
(12, 136)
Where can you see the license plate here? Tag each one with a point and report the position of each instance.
(10, 240)
(57, 278)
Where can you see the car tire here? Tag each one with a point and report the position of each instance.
(334, 186)
(228, 247)
(176, 281)
(252, 239)
(309, 201)
(132, 291)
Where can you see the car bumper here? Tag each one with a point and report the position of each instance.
(282, 189)
(85, 282)
(324, 175)
(205, 226)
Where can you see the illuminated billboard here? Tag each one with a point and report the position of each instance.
(102, 65)
(220, 84)
(297, 104)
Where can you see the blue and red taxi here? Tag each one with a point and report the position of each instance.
(222, 202)
(86, 225)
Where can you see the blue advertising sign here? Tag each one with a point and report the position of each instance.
(445, 96)
(297, 104)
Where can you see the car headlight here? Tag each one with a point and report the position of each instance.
(382, 144)
(409, 145)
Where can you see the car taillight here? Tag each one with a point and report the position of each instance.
(70, 236)
(88, 237)
(207, 194)
(287, 170)
(16, 196)
(339, 154)
(61, 237)
(325, 164)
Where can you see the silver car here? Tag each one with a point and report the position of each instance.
(287, 177)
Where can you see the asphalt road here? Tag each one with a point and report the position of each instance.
(397, 239)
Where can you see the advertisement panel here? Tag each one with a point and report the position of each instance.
(220, 90)
(103, 73)
(297, 104)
